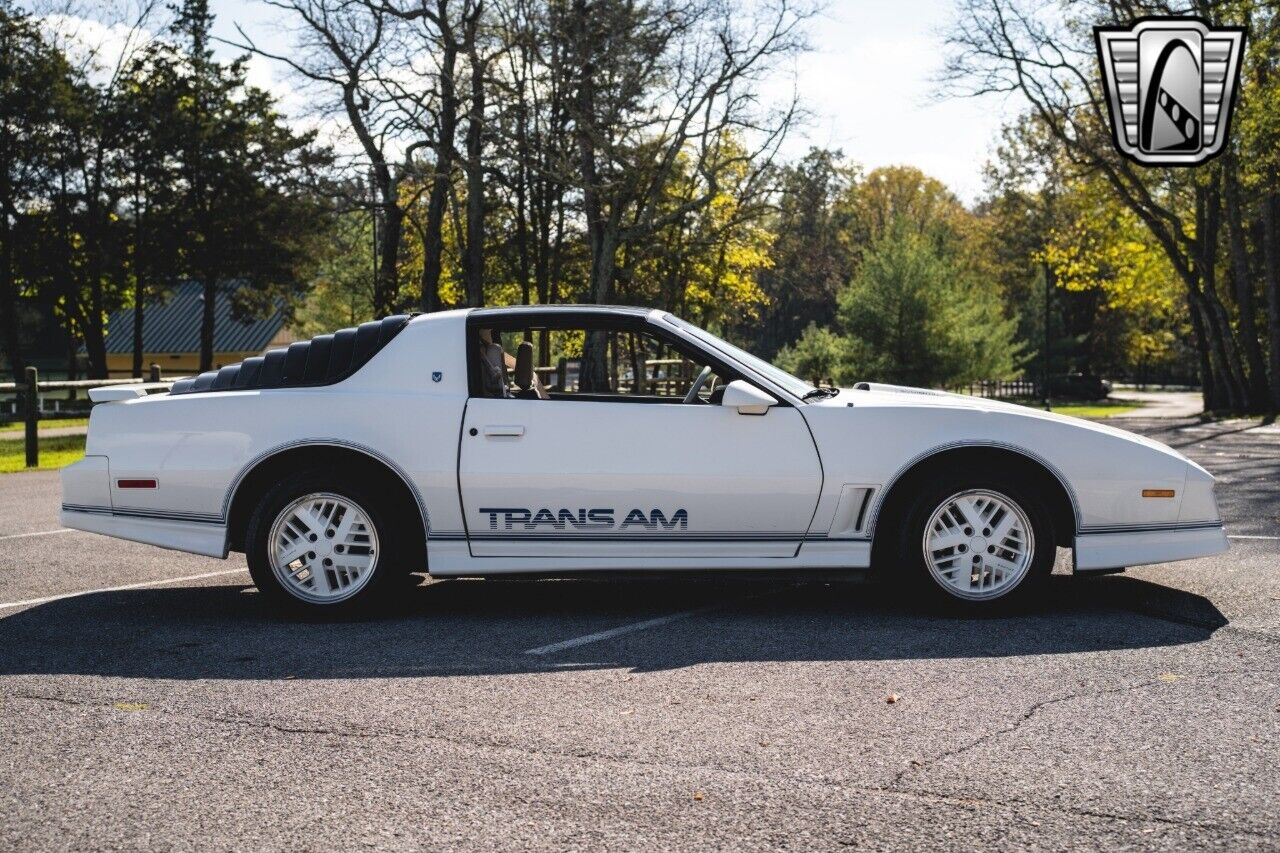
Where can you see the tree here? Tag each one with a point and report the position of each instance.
(1101, 250)
(649, 84)
(1257, 129)
(249, 216)
(344, 52)
(819, 353)
(37, 90)
(815, 249)
(147, 169)
(914, 315)
(342, 288)
(1045, 53)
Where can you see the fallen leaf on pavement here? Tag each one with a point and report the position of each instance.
(131, 706)
(697, 796)
(1169, 677)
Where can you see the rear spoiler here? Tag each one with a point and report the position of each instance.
(110, 393)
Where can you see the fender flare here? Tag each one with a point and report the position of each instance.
(919, 458)
(229, 498)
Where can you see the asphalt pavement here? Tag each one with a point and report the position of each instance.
(149, 700)
(1160, 404)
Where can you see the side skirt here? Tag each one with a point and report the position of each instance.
(452, 558)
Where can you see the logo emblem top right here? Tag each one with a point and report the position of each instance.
(1171, 84)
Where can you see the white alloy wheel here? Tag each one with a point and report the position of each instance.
(323, 548)
(978, 545)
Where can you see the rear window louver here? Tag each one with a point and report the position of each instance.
(323, 360)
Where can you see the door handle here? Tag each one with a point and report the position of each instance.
(503, 431)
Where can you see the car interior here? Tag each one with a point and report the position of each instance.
(557, 358)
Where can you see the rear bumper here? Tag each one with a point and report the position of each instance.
(1120, 549)
(87, 505)
(195, 537)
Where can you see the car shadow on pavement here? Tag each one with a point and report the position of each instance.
(489, 627)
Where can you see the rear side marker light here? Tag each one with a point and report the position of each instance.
(136, 484)
(1157, 493)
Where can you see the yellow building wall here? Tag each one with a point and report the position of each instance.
(172, 365)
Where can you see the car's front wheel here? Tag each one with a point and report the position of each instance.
(323, 543)
(977, 542)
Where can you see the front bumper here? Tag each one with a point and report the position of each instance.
(1120, 549)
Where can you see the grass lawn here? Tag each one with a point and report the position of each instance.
(1100, 409)
(54, 452)
(1095, 409)
(45, 423)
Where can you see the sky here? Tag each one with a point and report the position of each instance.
(867, 84)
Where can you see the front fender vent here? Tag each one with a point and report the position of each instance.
(850, 519)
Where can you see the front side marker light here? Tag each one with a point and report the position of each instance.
(1157, 493)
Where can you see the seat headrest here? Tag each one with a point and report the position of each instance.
(524, 365)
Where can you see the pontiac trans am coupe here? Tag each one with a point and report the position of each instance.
(632, 440)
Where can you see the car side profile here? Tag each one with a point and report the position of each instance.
(569, 439)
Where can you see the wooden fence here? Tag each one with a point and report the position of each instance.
(29, 392)
(1003, 388)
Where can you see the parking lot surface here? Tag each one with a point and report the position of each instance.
(148, 699)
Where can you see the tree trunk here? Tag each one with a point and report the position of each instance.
(387, 294)
(9, 306)
(139, 295)
(523, 264)
(206, 323)
(433, 230)
(473, 261)
(137, 328)
(1271, 259)
(1209, 387)
(95, 335)
(600, 237)
(1259, 394)
(1217, 325)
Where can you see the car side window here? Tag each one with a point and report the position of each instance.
(600, 364)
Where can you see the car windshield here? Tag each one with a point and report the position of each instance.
(777, 375)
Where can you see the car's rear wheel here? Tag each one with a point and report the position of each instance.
(324, 543)
(977, 542)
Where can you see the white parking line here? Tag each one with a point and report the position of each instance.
(619, 631)
(1246, 536)
(34, 601)
(37, 533)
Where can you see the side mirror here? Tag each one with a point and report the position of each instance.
(746, 398)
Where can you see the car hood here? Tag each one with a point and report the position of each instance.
(876, 394)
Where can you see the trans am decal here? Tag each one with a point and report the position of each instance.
(521, 518)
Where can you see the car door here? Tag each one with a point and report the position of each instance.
(602, 476)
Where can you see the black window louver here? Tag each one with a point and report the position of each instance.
(323, 360)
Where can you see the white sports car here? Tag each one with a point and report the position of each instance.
(555, 440)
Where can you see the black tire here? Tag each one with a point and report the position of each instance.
(911, 563)
(394, 559)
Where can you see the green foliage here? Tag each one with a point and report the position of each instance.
(1101, 248)
(915, 315)
(342, 285)
(814, 249)
(172, 167)
(818, 354)
(38, 95)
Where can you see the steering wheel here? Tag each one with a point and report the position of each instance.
(692, 396)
